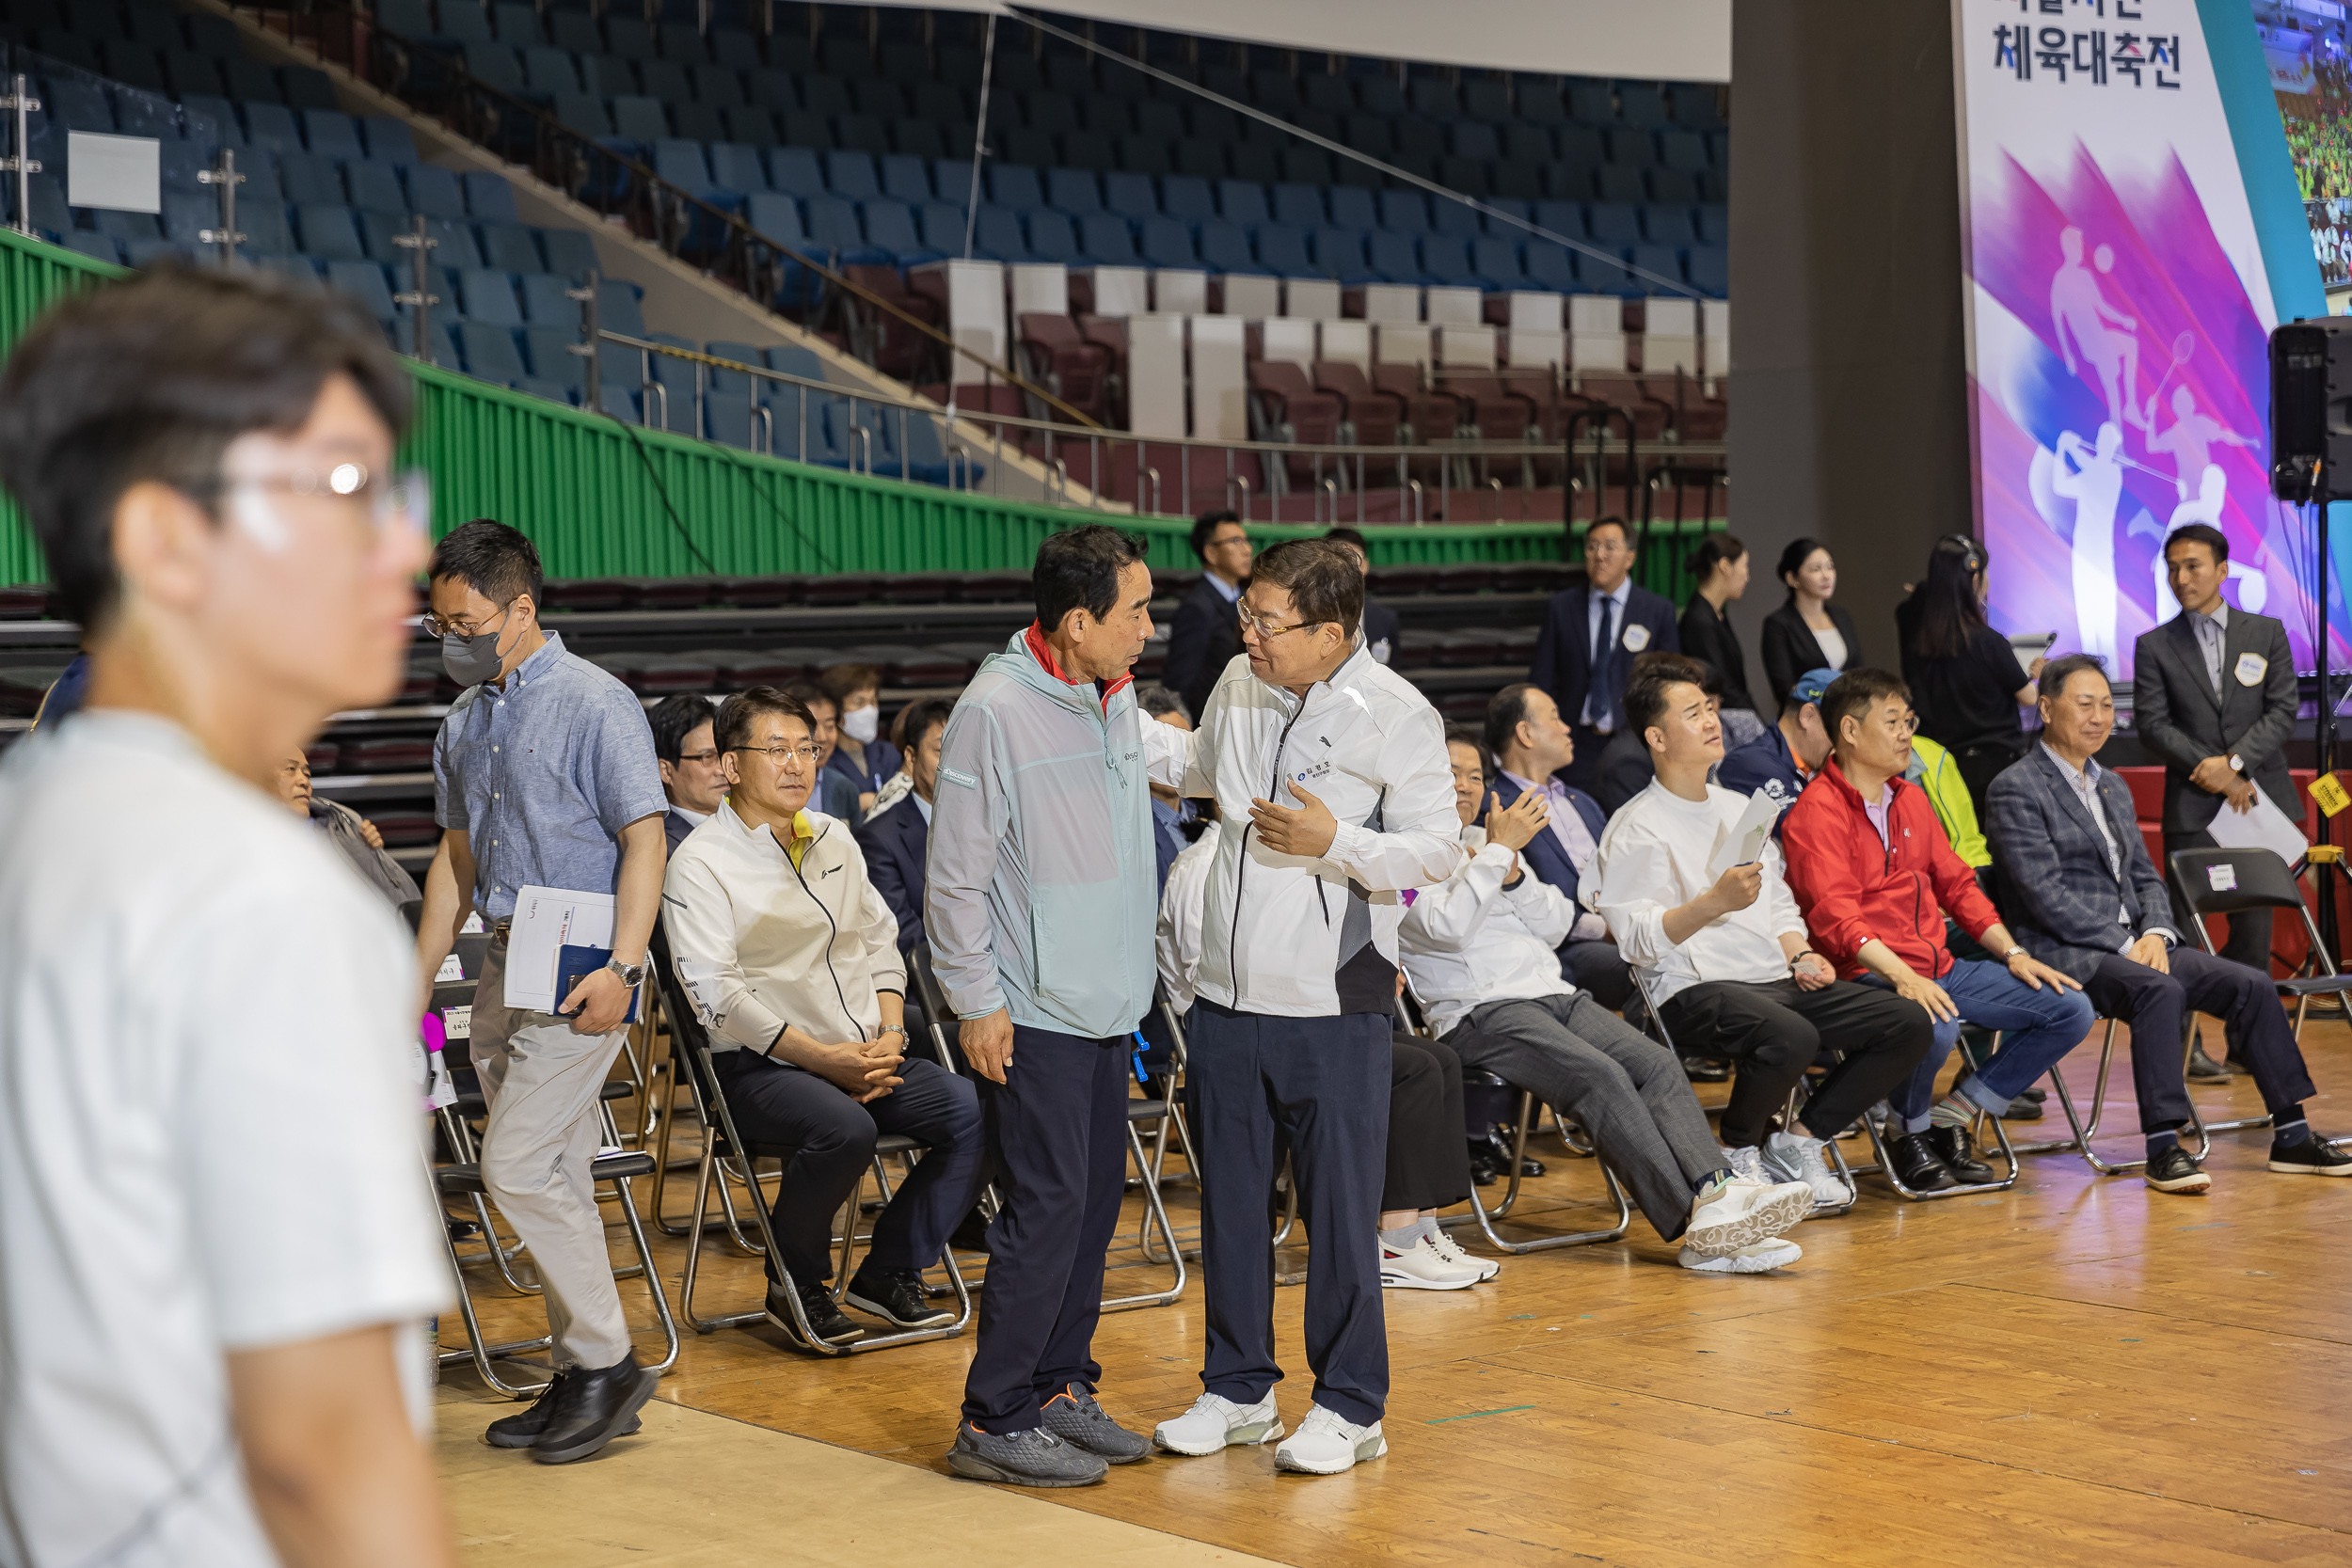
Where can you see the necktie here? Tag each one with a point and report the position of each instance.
(1601, 700)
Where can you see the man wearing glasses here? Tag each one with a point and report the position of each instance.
(1331, 772)
(544, 776)
(790, 957)
(693, 777)
(1584, 654)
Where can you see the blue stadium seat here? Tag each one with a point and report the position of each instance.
(1389, 257)
(126, 226)
(681, 163)
(82, 106)
(942, 228)
(617, 308)
(1015, 185)
(1283, 251)
(1445, 259)
(1187, 196)
(618, 400)
(1660, 259)
(435, 192)
(1611, 224)
(1664, 225)
(1496, 260)
(490, 352)
(329, 234)
(309, 180)
(186, 213)
(1108, 240)
(1596, 275)
(1072, 191)
(1476, 141)
(546, 304)
(1166, 243)
(676, 376)
(489, 296)
(1406, 212)
(997, 235)
(363, 281)
(1352, 207)
(951, 178)
(267, 231)
(374, 187)
(905, 178)
(832, 226)
(272, 125)
(454, 243)
(638, 118)
(102, 247)
(1225, 248)
(738, 167)
(510, 247)
(890, 227)
(1130, 196)
(735, 381)
(1051, 236)
(335, 134)
(776, 216)
(1454, 217)
(1710, 270)
(795, 170)
(1243, 201)
(728, 419)
(490, 199)
(1713, 224)
(793, 359)
(569, 252)
(851, 175)
(1300, 206)
(1550, 266)
(1560, 217)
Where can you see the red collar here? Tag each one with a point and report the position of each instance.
(1836, 776)
(1035, 638)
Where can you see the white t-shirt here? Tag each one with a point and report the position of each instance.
(208, 1135)
(1653, 856)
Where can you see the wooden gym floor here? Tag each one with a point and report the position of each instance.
(2079, 1370)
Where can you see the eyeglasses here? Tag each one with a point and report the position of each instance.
(1252, 621)
(402, 499)
(780, 754)
(704, 757)
(436, 626)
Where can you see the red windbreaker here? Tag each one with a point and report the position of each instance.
(1852, 887)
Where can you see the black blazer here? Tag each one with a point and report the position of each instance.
(895, 844)
(1789, 648)
(1200, 643)
(1707, 635)
(1380, 632)
(2179, 719)
(1563, 649)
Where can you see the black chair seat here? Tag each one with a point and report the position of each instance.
(1478, 1077)
(2315, 985)
(473, 1106)
(465, 1181)
(1146, 1110)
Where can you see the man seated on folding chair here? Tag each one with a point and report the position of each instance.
(1723, 957)
(1478, 949)
(1875, 876)
(2092, 904)
(791, 960)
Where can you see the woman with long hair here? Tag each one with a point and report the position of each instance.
(1967, 685)
(1808, 632)
(1718, 567)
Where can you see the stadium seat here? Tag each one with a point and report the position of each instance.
(1072, 191)
(489, 199)
(374, 187)
(435, 192)
(490, 353)
(488, 297)
(795, 170)
(1108, 240)
(329, 234)
(363, 281)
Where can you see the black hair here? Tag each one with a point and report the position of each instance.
(494, 561)
(151, 379)
(808, 694)
(916, 719)
(1079, 570)
(1950, 609)
(1475, 739)
(1505, 709)
(1204, 528)
(2055, 673)
(1854, 694)
(1655, 671)
(1792, 561)
(1345, 535)
(1322, 578)
(733, 729)
(1156, 700)
(1623, 528)
(1714, 550)
(674, 718)
(840, 680)
(2201, 534)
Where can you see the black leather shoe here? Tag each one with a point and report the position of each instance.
(2021, 1109)
(1952, 1147)
(1705, 1069)
(523, 1428)
(1484, 1169)
(2037, 1094)
(2173, 1171)
(832, 1325)
(591, 1408)
(1916, 1163)
(895, 1296)
(1498, 1150)
(2203, 1069)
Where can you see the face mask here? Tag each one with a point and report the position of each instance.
(861, 725)
(471, 661)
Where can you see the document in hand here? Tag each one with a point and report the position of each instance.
(2264, 827)
(547, 921)
(1745, 842)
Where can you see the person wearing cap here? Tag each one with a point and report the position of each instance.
(1782, 760)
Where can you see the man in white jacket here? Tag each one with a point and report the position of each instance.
(1478, 950)
(790, 957)
(1329, 773)
(1726, 960)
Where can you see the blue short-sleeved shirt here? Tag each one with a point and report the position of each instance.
(542, 775)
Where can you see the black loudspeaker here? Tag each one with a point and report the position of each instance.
(2311, 410)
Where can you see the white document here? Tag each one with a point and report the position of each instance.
(547, 920)
(2265, 827)
(1746, 840)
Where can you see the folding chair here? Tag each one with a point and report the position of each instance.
(1959, 1189)
(2227, 882)
(1656, 1026)
(2085, 1131)
(941, 1018)
(722, 1144)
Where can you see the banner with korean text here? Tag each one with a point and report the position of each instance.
(2118, 299)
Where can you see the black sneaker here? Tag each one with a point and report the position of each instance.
(591, 1409)
(833, 1326)
(895, 1296)
(523, 1428)
(2173, 1171)
(2203, 1069)
(2310, 1158)
(1031, 1458)
(1916, 1164)
(1952, 1147)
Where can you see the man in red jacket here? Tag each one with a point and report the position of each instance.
(1875, 876)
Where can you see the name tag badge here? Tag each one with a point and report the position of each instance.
(451, 972)
(1636, 638)
(2251, 667)
(2221, 878)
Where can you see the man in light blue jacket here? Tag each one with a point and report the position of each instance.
(1040, 911)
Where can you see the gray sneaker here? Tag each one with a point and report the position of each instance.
(1075, 1417)
(1031, 1458)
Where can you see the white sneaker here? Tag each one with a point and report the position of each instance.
(1776, 1254)
(1422, 1267)
(1734, 1213)
(1452, 1252)
(1793, 1157)
(1215, 1422)
(1748, 1164)
(1326, 1445)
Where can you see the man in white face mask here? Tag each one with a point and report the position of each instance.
(859, 753)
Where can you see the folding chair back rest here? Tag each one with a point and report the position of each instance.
(2223, 882)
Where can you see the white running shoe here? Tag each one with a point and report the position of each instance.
(1777, 1253)
(1748, 1164)
(1793, 1157)
(1328, 1444)
(1734, 1213)
(1422, 1267)
(1452, 1252)
(1216, 1422)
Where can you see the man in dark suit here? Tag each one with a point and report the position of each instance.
(1584, 654)
(2214, 696)
(2094, 907)
(1379, 622)
(1530, 743)
(895, 841)
(1206, 633)
(692, 779)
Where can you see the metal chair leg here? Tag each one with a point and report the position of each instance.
(1158, 1213)
(1486, 1217)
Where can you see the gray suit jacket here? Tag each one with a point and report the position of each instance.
(2181, 721)
(2057, 867)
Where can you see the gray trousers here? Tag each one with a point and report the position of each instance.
(542, 1082)
(1617, 1084)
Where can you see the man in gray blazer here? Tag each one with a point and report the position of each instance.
(2214, 696)
(2092, 906)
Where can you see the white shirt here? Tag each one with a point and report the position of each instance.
(210, 1137)
(1575, 841)
(1832, 644)
(2212, 630)
(1653, 858)
(1468, 941)
(693, 818)
(2084, 781)
(1594, 625)
(1177, 944)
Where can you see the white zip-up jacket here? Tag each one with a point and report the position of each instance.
(1292, 936)
(1471, 941)
(760, 943)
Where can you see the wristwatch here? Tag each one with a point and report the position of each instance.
(2237, 763)
(2012, 953)
(632, 976)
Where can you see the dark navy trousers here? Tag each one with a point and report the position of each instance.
(1320, 1085)
(2156, 1006)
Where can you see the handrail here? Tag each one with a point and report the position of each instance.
(548, 126)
